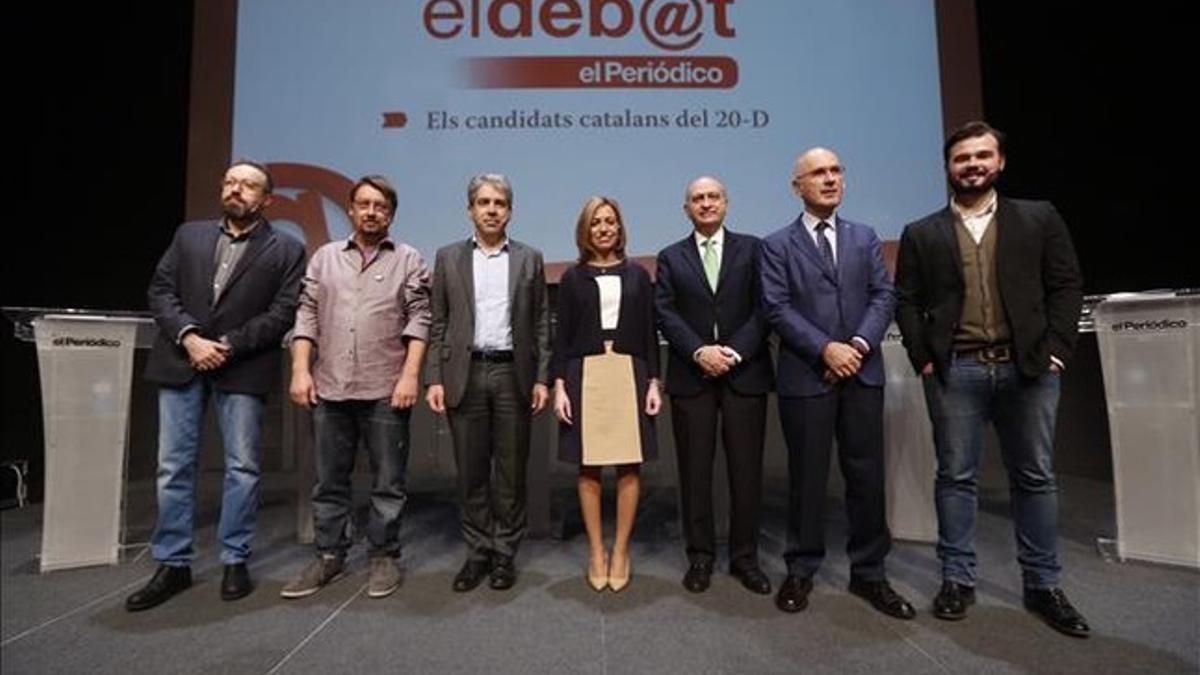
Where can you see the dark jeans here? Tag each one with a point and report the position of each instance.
(340, 426)
(491, 447)
(1023, 412)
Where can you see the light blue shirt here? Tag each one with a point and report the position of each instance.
(493, 316)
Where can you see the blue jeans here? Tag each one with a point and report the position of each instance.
(180, 415)
(1023, 413)
(340, 427)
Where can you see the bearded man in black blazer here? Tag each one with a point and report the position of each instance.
(989, 295)
(707, 301)
(223, 296)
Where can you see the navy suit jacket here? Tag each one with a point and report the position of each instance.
(809, 306)
(688, 309)
(255, 311)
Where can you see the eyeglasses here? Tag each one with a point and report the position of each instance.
(243, 183)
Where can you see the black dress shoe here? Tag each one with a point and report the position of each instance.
(953, 600)
(471, 575)
(793, 594)
(883, 597)
(1052, 605)
(166, 582)
(504, 575)
(752, 578)
(235, 582)
(698, 576)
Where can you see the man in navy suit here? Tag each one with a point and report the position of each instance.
(706, 296)
(223, 296)
(989, 301)
(828, 297)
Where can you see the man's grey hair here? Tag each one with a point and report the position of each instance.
(496, 180)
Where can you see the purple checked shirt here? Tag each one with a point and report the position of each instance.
(357, 314)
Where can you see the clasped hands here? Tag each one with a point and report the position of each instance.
(715, 360)
(842, 361)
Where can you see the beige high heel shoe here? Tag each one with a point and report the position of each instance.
(598, 582)
(618, 583)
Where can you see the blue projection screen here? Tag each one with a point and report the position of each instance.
(570, 98)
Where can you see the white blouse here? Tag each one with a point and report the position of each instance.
(610, 300)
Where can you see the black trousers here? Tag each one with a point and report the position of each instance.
(854, 414)
(490, 427)
(742, 420)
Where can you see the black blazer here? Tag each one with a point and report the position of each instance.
(687, 310)
(577, 331)
(257, 308)
(1036, 270)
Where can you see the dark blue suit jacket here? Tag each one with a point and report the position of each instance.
(809, 306)
(687, 310)
(255, 311)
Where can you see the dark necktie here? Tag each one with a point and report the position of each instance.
(825, 246)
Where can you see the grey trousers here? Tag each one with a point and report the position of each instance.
(490, 427)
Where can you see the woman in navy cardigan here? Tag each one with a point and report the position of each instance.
(606, 389)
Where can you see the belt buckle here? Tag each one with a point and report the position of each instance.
(995, 354)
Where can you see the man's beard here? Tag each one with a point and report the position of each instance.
(239, 211)
(963, 190)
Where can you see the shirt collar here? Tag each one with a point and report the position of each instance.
(386, 242)
(503, 246)
(245, 234)
(810, 221)
(718, 237)
(986, 211)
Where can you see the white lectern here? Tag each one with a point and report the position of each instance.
(85, 363)
(909, 459)
(1150, 357)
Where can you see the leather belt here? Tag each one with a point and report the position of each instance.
(492, 355)
(989, 354)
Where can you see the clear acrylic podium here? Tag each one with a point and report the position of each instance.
(85, 364)
(1150, 357)
(909, 460)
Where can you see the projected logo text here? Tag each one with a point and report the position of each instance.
(670, 25)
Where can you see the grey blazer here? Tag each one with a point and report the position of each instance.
(453, 326)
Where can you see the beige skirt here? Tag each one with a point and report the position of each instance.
(609, 432)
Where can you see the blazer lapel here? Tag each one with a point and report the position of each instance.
(466, 273)
(803, 241)
(733, 248)
(1004, 226)
(259, 241)
(516, 263)
(208, 246)
(949, 240)
(692, 256)
(844, 254)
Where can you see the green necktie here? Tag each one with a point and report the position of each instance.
(711, 265)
